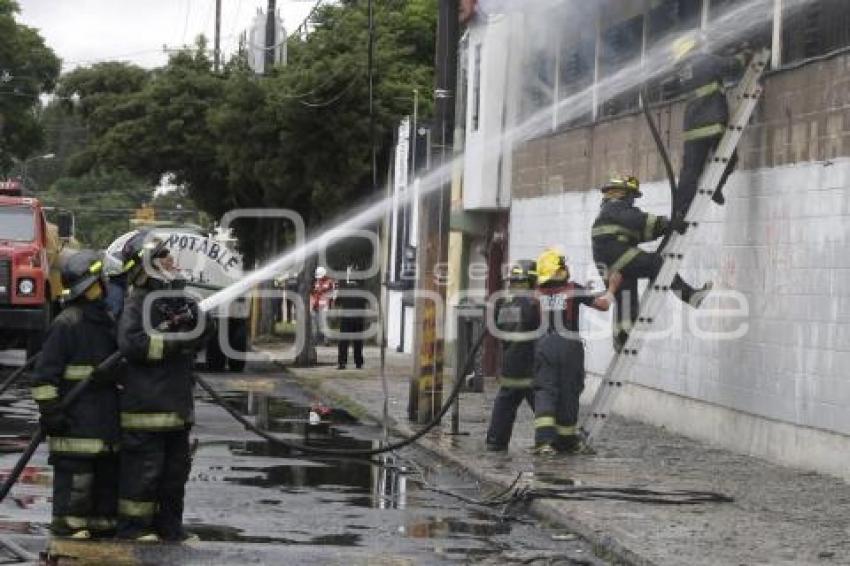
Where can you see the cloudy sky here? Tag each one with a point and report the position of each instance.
(83, 32)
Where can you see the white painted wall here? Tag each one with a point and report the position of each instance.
(783, 241)
(487, 163)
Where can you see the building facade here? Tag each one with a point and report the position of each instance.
(763, 372)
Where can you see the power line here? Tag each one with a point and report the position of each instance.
(186, 22)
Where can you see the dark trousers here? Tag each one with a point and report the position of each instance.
(342, 352)
(85, 494)
(508, 400)
(350, 325)
(558, 383)
(154, 471)
(693, 163)
(643, 266)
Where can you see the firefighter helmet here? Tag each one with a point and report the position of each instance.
(140, 252)
(629, 184)
(684, 46)
(552, 265)
(524, 271)
(79, 272)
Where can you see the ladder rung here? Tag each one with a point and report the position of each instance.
(746, 94)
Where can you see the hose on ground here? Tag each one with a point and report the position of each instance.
(365, 452)
(39, 434)
(18, 373)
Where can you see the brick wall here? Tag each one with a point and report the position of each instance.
(804, 116)
(782, 241)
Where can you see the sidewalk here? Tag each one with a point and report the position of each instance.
(780, 516)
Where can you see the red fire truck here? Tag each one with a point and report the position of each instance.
(30, 247)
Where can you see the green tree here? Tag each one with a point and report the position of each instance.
(298, 139)
(102, 202)
(28, 68)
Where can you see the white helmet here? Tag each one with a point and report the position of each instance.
(321, 272)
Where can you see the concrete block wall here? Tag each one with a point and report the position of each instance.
(782, 390)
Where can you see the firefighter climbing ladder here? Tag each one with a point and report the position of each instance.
(744, 98)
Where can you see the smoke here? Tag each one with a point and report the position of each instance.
(725, 29)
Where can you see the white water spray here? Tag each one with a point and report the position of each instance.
(657, 62)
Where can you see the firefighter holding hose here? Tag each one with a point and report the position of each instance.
(157, 408)
(84, 438)
(701, 75)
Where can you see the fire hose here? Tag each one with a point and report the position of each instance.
(38, 436)
(17, 373)
(665, 159)
(116, 358)
(347, 451)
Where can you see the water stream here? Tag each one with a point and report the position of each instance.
(725, 29)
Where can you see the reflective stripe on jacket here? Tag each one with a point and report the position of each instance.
(82, 336)
(158, 385)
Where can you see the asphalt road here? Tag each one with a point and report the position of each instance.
(251, 502)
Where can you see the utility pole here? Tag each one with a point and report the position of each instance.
(217, 59)
(426, 389)
(271, 21)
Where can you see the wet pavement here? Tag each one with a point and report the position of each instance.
(779, 516)
(253, 502)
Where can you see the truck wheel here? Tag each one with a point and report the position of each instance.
(238, 333)
(215, 357)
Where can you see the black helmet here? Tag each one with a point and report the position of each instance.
(524, 271)
(79, 272)
(629, 184)
(139, 251)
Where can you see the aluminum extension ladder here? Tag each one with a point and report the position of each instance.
(745, 98)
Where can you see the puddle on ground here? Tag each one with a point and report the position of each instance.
(222, 533)
(282, 496)
(440, 527)
(554, 479)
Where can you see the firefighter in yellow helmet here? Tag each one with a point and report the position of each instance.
(701, 76)
(617, 231)
(559, 354)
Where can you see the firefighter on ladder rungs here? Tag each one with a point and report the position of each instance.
(83, 439)
(701, 76)
(617, 230)
(559, 355)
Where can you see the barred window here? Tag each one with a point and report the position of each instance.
(818, 28)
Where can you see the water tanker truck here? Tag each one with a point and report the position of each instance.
(212, 262)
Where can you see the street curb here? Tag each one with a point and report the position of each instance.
(605, 546)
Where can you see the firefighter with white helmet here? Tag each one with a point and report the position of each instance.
(157, 407)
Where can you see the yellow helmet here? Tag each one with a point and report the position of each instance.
(629, 184)
(551, 264)
(683, 46)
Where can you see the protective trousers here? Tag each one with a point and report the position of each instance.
(510, 396)
(85, 494)
(643, 265)
(558, 383)
(154, 470)
(693, 162)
